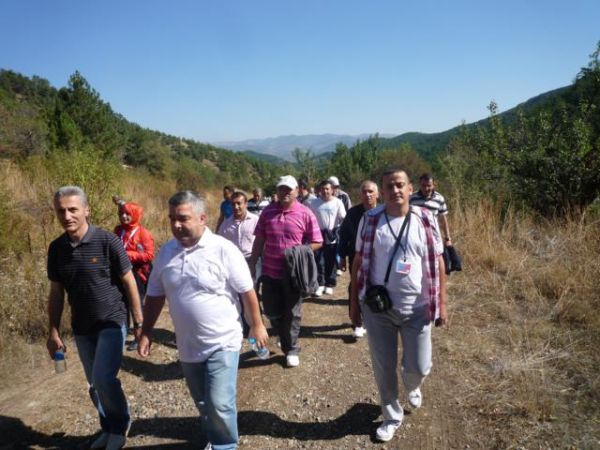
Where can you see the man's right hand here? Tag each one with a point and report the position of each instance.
(53, 343)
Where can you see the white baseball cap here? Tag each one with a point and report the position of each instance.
(334, 181)
(287, 180)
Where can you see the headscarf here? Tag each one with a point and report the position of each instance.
(135, 211)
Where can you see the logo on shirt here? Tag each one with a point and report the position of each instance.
(94, 260)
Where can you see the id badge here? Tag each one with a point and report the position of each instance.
(402, 267)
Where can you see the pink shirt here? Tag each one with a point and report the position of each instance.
(240, 232)
(283, 229)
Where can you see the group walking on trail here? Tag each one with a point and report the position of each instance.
(265, 256)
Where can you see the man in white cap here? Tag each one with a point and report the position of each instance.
(283, 224)
(344, 197)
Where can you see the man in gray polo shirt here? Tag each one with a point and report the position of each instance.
(91, 265)
(202, 275)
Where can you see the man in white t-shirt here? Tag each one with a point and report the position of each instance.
(202, 274)
(401, 244)
(330, 213)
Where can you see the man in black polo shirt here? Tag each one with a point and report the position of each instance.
(91, 265)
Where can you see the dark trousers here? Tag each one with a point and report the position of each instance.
(349, 269)
(283, 307)
(327, 264)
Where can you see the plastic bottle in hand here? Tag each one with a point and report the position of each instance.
(261, 352)
(60, 363)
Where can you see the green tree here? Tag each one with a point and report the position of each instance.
(305, 163)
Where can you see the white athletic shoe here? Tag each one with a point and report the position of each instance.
(292, 360)
(415, 398)
(359, 332)
(386, 430)
(319, 291)
(339, 273)
(328, 291)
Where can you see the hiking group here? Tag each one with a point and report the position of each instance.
(264, 257)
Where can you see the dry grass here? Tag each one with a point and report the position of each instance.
(525, 323)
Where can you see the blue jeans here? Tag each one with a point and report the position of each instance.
(212, 384)
(101, 356)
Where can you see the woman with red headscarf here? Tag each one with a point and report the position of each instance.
(139, 245)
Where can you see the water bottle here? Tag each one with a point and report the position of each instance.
(261, 352)
(60, 364)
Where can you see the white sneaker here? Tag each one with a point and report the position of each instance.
(359, 332)
(328, 291)
(100, 441)
(415, 398)
(319, 291)
(292, 360)
(339, 273)
(386, 430)
(115, 442)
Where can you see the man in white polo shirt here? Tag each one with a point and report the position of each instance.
(202, 275)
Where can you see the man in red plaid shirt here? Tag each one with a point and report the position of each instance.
(400, 249)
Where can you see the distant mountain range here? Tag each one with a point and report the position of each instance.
(282, 146)
(279, 149)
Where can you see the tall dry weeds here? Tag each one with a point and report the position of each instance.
(525, 318)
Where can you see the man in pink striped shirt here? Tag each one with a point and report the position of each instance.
(283, 224)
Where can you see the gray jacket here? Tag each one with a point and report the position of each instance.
(302, 269)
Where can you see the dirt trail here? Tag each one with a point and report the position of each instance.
(328, 402)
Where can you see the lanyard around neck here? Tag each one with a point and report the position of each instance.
(405, 226)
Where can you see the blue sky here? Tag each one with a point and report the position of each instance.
(231, 70)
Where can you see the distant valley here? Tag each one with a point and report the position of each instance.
(282, 146)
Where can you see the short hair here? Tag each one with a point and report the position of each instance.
(365, 182)
(426, 177)
(237, 194)
(257, 190)
(191, 197)
(71, 191)
(324, 183)
(228, 188)
(302, 182)
(392, 170)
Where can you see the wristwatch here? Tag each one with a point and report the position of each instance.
(137, 325)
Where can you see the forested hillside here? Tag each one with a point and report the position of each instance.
(38, 119)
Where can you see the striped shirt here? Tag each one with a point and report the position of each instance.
(436, 203)
(90, 273)
(283, 229)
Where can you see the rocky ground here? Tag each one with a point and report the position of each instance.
(328, 402)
